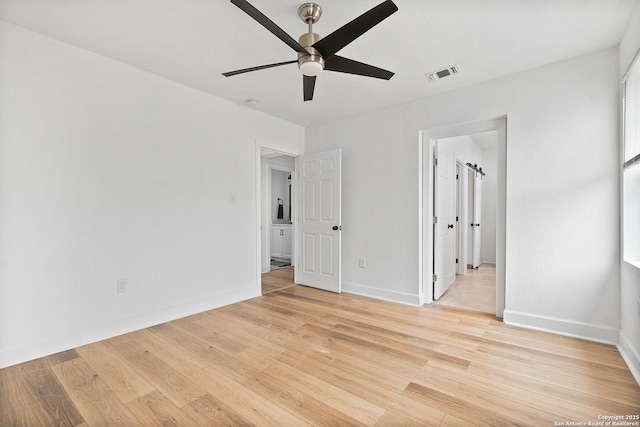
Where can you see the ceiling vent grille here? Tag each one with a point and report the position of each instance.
(441, 74)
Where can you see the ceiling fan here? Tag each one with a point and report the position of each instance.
(316, 54)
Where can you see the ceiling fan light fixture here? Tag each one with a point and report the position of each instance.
(312, 66)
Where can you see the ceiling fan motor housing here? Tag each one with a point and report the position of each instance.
(310, 64)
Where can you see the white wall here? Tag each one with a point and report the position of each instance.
(630, 279)
(280, 190)
(562, 266)
(109, 172)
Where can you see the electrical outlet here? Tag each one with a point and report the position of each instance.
(121, 286)
(362, 262)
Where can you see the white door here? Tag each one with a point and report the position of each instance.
(477, 215)
(444, 262)
(320, 208)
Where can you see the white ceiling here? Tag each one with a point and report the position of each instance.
(194, 41)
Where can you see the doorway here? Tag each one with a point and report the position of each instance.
(315, 200)
(277, 228)
(495, 129)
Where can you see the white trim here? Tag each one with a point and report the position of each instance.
(569, 328)
(114, 328)
(382, 294)
(630, 354)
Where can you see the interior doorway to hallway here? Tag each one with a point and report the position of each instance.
(474, 236)
(464, 194)
(277, 207)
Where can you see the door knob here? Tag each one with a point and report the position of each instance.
(477, 225)
(450, 226)
(336, 227)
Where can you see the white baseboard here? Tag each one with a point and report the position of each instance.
(383, 294)
(564, 327)
(488, 260)
(630, 354)
(114, 328)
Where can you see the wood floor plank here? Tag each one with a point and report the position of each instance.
(119, 376)
(337, 398)
(300, 356)
(472, 413)
(350, 372)
(207, 354)
(212, 412)
(175, 386)
(154, 409)
(51, 404)
(170, 353)
(256, 408)
(96, 402)
(54, 399)
(277, 279)
(602, 399)
(475, 290)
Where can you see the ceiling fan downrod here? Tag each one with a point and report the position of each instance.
(310, 64)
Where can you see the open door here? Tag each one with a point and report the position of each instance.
(444, 263)
(320, 208)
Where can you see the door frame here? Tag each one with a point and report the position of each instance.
(461, 266)
(425, 206)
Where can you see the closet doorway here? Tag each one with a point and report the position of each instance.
(277, 225)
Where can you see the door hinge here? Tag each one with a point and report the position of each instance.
(434, 277)
(435, 219)
(435, 161)
(456, 219)
(456, 260)
(457, 176)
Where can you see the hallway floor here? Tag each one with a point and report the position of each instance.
(277, 279)
(475, 291)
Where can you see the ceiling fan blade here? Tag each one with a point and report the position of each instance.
(309, 83)
(344, 35)
(346, 65)
(269, 25)
(260, 67)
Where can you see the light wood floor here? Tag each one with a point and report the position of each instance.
(306, 357)
(277, 279)
(475, 291)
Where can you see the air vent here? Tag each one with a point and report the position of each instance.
(441, 74)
